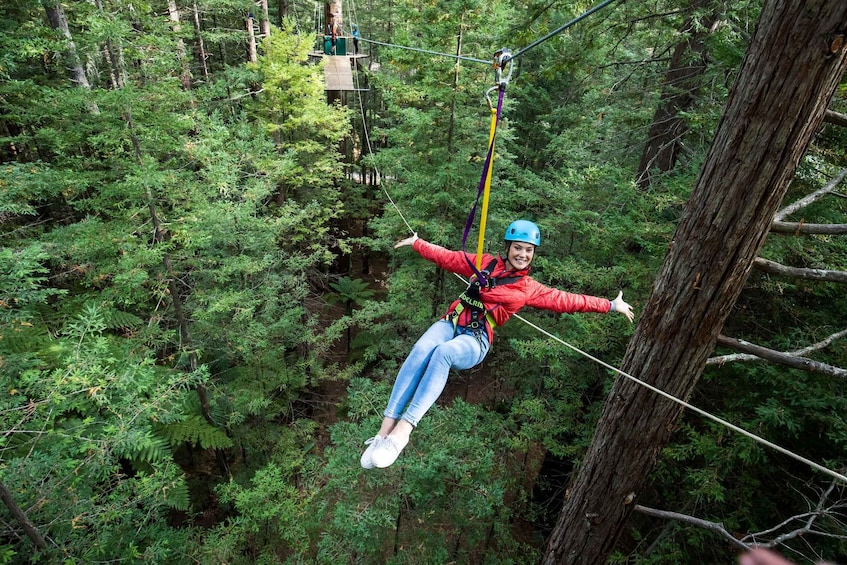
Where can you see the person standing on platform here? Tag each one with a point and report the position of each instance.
(355, 39)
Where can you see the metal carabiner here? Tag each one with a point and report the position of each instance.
(502, 58)
(488, 97)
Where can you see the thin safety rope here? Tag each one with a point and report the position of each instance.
(703, 413)
(560, 29)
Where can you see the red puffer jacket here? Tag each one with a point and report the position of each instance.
(502, 302)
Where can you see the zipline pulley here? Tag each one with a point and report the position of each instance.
(503, 60)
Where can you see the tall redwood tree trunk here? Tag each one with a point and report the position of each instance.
(788, 75)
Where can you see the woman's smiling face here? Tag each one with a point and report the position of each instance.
(519, 255)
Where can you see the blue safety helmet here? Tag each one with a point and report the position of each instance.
(524, 231)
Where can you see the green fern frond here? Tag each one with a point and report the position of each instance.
(117, 319)
(195, 430)
(353, 290)
(177, 497)
(144, 447)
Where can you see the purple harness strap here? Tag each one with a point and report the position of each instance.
(485, 167)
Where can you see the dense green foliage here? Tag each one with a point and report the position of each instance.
(201, 314)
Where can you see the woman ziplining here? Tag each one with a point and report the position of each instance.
(463, 336)
(384, 448)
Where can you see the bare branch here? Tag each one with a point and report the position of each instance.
(801, 227)
(716, 527)
(836, 118)
(817, 195)
(820, 509)
(781, 358)
(796, 353)
(774, 268)
(18, 514)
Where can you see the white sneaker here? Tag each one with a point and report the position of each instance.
(367, 456)
(387, 451)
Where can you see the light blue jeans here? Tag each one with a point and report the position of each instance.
(424, 373)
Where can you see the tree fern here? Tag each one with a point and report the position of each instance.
(176, 495)
(195, 430)
(118, 319)
(144, 446)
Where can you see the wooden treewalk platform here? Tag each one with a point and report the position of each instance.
(338, 73)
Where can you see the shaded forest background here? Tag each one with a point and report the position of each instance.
(201, 314)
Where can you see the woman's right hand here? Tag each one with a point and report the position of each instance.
(408, 241)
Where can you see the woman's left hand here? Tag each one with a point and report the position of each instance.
(620, 306)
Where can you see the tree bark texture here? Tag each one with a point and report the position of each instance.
(176, 26)
(788, 75)
(252, 52)
(264, 19)
(201, 47)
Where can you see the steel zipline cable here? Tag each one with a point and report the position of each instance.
(515, 55)
(427, 51)
(562, 28)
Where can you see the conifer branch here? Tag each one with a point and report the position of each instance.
(774, 268)
(716, 527)
(813, 197)
(795, 359)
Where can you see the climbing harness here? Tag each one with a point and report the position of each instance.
(471, 299)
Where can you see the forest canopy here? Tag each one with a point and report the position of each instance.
(201, 312)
